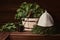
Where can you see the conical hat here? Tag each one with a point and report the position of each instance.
(45, 20)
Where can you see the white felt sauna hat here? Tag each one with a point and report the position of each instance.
(45, 20)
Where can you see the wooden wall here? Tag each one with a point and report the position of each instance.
(8, 9)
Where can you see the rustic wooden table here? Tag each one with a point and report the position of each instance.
(27, 36)
(31, 36)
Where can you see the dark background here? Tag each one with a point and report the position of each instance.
(8, 9)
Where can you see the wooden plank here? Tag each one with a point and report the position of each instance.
(26, 36)
(4, 35)
(31, 36)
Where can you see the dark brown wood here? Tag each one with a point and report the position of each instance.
(3, 35)
(25, 36)
(31, 36)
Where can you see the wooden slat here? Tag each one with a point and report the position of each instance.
(4, 35)
(31, 36)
